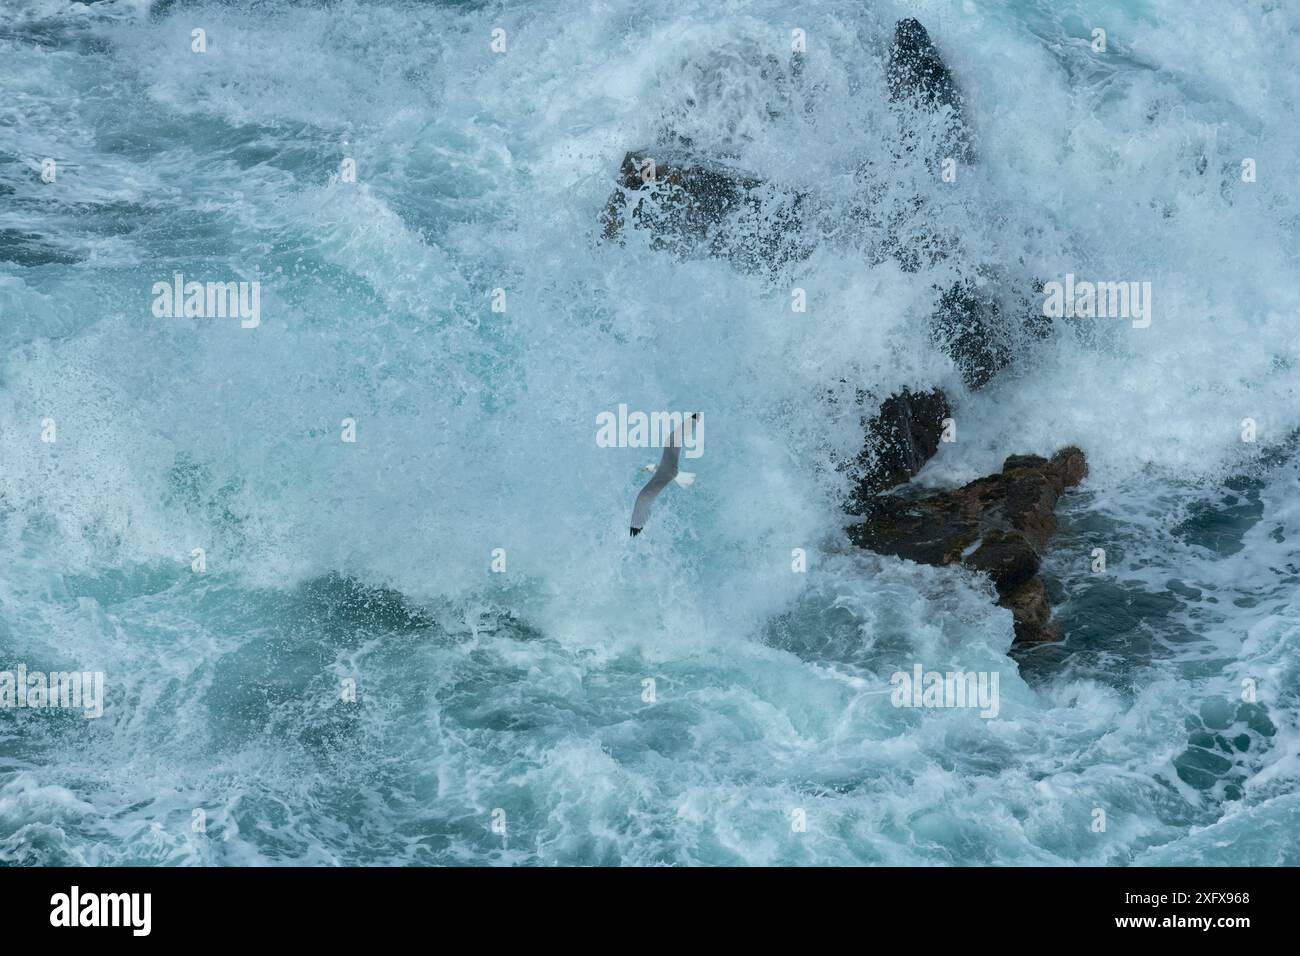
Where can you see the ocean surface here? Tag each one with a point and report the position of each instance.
(684, 697)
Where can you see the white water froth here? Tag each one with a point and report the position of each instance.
(476, 431)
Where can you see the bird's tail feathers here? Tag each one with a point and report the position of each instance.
(685, 478)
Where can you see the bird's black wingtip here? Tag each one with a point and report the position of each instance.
(635, 531)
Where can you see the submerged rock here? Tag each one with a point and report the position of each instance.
(968, 323)
(968, 327)
(686, 201)
(997, 525)
(693, 207)
(696, 198)
(980, 329)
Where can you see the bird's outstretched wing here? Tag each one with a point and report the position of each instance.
(664, 474)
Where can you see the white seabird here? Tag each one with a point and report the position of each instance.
(666, 472)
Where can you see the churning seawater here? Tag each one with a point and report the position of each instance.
(525, 692)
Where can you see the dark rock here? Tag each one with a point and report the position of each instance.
(919, 78)
(691, 207)
(997, 525)
(1007, 558)
(701, 196)
(970, 328)
(967, 323)
(983, 324)
(901, 438)
(917, 72)
(1032, 612)
(695, 206)
(932, 529)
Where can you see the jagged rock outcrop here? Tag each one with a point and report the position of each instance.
(916, 69)
(901, 438)
(918, 77)
(968, 323)
(997, 525)
(692, 206)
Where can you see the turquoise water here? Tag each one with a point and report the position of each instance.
(520, 696)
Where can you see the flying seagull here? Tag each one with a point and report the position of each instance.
(666, 472)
